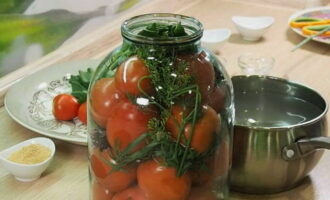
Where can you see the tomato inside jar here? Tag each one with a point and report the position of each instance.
(160, 115)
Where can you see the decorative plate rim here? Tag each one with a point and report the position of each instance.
(72, 140)
(75, 140)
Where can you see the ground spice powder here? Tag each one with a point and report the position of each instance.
(31, 154)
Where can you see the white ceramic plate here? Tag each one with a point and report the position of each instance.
(320, 12)
(29, 101)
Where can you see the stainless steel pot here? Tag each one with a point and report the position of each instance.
(279, 132)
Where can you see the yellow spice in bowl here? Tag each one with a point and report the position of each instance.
(31, 154)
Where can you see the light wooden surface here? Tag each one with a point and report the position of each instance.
(67, 177)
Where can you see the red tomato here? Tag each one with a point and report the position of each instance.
(217, 99)
(202, 70)
(127, 122)
(114, 181)
(65, 107)
(132, 193)
(204, 130)
(82, 113)
(161, 183)
(202, 193)
(174, 121)
(100, 192)
(104, 96)
(128, 75)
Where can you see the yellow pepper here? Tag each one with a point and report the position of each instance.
(312, 30)
(306, 21)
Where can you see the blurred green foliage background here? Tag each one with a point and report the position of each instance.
(24, 37)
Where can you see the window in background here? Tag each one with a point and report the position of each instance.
(30, 29)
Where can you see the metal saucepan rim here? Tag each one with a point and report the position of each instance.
(314, 120)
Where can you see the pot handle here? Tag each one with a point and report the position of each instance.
(305, 146)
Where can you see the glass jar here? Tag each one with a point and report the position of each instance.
(160, 115)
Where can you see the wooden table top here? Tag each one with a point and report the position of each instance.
(67, 176)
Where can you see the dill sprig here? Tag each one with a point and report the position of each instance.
(169, 77)
(126, 157)
(172, 82)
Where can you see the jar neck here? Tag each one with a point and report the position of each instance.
(179, 48)
(162, 29)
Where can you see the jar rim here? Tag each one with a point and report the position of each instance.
(130, 28)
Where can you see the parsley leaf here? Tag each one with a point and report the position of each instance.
(80, 83)
(161, 30)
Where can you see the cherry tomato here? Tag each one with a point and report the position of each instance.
(202, 70)
(202, 193)
(204, 130)
(100, 192)
(127, 122)
(104, 96)
(82, 113)
(65, 107)
(128, 75)
(217, 99)
(161, 183)
(114, 181)
(132, 193)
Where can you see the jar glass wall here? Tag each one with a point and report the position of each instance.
(160, 115)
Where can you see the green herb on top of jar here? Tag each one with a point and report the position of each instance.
(161, 30)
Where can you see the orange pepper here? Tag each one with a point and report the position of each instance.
(307, 30)
(299, 24)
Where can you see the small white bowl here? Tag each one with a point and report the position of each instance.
(214, 38)
(27, 172)
(252, 28)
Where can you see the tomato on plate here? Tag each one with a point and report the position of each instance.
(65, 107)
(104, 95)
(82, 113)
(114, 181)
(199, 67)
(204, 131)
(132, 193)
(127, 122)
(132, 72)
(161, 183)
(99, 192)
